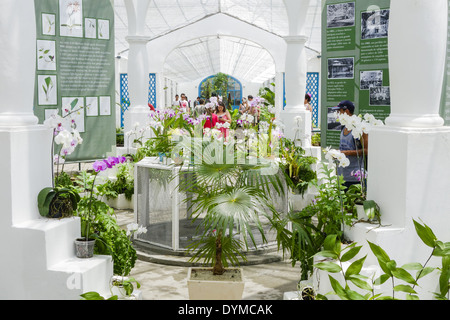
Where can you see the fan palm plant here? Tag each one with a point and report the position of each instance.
(231, 200)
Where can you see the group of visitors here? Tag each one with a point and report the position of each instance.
(214, 109)
(251, 107)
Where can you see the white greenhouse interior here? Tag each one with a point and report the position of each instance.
(306, 159)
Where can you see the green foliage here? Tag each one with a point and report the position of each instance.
(111, 239)
(229, 199)
(95, 296)
(332, 248)
(315, 139)
(297, 167)
(315, 222)
(57, 202)
(124, 183)
(126, 284)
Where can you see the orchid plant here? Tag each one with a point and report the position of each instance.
(360, 126)
(61, 199)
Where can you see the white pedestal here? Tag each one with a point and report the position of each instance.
(39, 253)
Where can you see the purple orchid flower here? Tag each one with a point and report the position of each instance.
(99, 166)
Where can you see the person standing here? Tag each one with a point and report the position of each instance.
(176, 102)
(352, 148)
(224, 118)
(211, 117)
(308, 102)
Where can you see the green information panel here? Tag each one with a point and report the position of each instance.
(75, 70)
(354, 61)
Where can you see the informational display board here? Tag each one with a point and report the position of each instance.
(355, 63)
(76, 68)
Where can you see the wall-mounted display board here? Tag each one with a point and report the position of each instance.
(354, 61)
(75, 68)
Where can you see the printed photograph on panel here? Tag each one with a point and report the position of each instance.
(341, 68)
(103, 29)
(370, 79)
(374, 24)
(47, 91)
(105, 106)
(91, 106)
(71, 18)
(75, 107)
(46, 55)
(380, 96)
(90, 28)
(332, 122)
(48, 24)
(341, 15)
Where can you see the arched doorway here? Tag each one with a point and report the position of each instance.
(233, 94)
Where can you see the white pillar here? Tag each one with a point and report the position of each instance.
(138, 66)
(296, 118)
(409, 157)
(416, 63)
(17, 63)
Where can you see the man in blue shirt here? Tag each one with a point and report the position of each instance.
(351, 147)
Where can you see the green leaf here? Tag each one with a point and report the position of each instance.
(92, 296)
(350, 254)
(371, 209)
(424, 272)
(355, 267)
(338, 289)
(353, 295)
(412, 266)
(382, 279)
(412, 297)
(404, 288)
(45, 197)
(379, 252)
(426, 234)
(404, 275)
(328, 266)
(329, 243)
(360, 283)
(327, 254)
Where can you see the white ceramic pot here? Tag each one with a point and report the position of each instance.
(215, 289)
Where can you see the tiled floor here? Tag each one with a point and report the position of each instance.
(167, 282)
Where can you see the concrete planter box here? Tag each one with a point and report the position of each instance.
(120, 203)
(215, 289)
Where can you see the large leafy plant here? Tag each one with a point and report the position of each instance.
(231, 200)
(353, 278)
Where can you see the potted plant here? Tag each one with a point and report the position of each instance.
(85, 244)
(61, 199)
(229, 201)
(118, 193)
(297, 167)
(121, 284)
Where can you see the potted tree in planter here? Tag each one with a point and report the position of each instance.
(229, 199)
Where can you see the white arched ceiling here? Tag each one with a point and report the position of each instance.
(165, 17)
(240, 58)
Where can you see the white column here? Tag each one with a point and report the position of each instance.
(138, 66)
(17, 63)
(409, 157)
(296, 118)
(416, 63)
